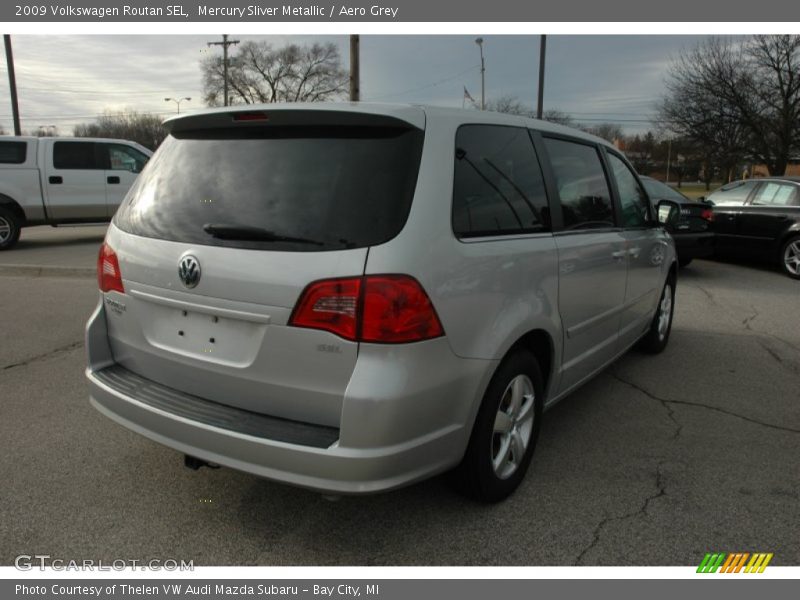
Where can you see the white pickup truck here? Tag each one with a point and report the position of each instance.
(55, 181)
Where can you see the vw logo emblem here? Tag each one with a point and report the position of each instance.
(189, 271)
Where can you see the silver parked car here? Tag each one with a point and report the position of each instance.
(351, 298)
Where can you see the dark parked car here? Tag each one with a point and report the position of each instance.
(692, 228)
(760, 218)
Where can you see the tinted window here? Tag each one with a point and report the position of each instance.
(632, 197)
(13, 153)
(340, 187)
(125, 158)
(733, 193)
(498, 186)
(582, 185)
(776, 194)
(75, 155)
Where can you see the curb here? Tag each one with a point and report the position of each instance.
(46, 271)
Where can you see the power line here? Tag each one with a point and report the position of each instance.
(429, 85)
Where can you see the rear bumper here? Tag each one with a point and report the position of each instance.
(694, 245)
(406, 430)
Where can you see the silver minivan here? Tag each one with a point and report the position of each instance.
(354, 297)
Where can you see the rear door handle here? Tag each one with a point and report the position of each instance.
(113, 179)
(55, 179)
(619, 255)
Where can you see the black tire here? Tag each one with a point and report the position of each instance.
(477, 476)
(9, 228)
(789, 256)
(656, 338)
(684, 262)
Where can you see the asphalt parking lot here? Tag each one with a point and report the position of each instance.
(655, 462)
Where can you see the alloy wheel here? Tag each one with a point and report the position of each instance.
(513, 426)
(791, 257)
(664, 312)
(5, 230)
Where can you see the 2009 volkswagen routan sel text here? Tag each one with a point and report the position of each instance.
(354, 297)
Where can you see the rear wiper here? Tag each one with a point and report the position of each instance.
(253, 234)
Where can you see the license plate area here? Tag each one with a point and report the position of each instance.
(203, 335)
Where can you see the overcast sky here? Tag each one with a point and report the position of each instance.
(64, 80)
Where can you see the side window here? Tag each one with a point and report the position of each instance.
(125, 158)
(776, 194)
(632, 197)
(498, 186)
(733, 194)
(582, 185)
(75, 155)
(13, 153)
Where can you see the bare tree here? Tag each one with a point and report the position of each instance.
(258, 73)
(641, 150)
(144, 128)
(510, 104)
(738, 100)
(46, 131)
(561, 118)
(773, 119)
(607, 131)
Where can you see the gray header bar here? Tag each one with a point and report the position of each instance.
(364, 11)
(738, 587)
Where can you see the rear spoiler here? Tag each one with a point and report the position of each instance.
(310, 115)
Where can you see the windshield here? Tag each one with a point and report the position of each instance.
(661, 191)
(337, 187)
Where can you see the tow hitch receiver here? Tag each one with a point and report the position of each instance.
(195, 463)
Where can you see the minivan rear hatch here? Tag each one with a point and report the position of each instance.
(236, 213)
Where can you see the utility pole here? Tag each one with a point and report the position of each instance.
(669, 156)
(12, 83)
(355, 66)
(224, 43)
(479, 41)
(540, 102)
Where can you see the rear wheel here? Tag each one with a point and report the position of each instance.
(505, 432)
(656, 338)
(790, 257)
(9, 228)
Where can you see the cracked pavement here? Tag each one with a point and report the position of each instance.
(655, 462)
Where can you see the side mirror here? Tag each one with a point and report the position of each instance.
(668, 212)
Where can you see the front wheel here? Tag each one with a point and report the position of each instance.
(506, 430)
(9, 228)
(790, 257)
(656, 338)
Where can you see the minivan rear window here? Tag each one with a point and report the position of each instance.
(277, 188)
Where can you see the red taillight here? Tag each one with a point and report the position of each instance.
(377, 308)
(397, 309)
(331, 305)
(707, 214)
(109, 277)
